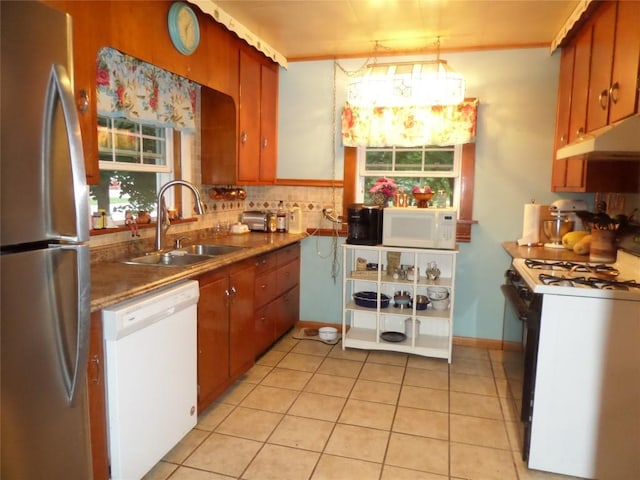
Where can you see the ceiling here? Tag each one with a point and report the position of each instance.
(314, 29)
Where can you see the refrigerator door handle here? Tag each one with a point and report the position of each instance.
(59, 89)
(75, 369)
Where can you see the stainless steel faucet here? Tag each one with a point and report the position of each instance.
(162, 213)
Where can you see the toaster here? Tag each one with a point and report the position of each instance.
(256, 220)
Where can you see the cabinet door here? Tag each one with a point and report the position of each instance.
(241, 352)
(580, 84)
(559, 167)
(604, 22)
(288, 307)
(213, 336)
(97, 406)
(264, 327)
(268, 123)
(249, 138)
(626, 62)
(564, 96)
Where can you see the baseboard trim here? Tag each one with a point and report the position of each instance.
(487, 343)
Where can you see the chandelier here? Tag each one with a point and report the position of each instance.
(431, 82)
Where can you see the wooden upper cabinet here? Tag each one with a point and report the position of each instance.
(626, 62)
(604, 24)
(564, 97)
(268, 122)
(249, 123)
(580, 83)
(615, 59)
(257, 147)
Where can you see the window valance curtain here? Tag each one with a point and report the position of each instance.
(130, 88)
(409, 126)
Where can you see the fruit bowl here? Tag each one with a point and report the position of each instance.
(422, 199)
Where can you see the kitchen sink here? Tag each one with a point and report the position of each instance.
(211, 250)
(182, 257)
(175, 258)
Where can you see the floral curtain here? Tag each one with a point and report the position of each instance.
(409, 126)
(133, 89)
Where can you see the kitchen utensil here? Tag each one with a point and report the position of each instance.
(408, 327)
(370, 299)
(421, 301)
(556, 229)
(393, 336)
(440, 304)
(437, 293)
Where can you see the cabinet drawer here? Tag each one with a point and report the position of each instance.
(288, 276)
(288, 254)
(265, 262)
(265, 288)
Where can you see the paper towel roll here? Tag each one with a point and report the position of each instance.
(533, 213)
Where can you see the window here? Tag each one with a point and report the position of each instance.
(135, 160)
(436, 167)
(352, 192)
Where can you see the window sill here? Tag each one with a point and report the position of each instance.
(141, 226)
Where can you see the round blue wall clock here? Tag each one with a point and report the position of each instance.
(184, 29)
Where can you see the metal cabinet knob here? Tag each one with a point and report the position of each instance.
(603, 99)
(613, 92)
(243, 137)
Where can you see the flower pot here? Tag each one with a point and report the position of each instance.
(143, 217)
(380, 199)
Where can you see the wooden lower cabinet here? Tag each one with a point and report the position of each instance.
(232, 331)
(225, 327)
(277, 295)
(97, 399)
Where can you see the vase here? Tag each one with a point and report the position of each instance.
(380, 199)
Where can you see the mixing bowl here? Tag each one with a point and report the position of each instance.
(556, 229)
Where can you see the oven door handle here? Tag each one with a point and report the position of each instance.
(511, 295)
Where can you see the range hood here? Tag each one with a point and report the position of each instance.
(620, 141)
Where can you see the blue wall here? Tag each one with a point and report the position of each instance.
(516, 120)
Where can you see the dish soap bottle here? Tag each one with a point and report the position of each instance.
(281, 218)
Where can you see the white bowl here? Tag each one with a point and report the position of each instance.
(440, 304)
(328, 333)
(437, 293)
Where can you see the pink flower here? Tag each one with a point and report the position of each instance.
(385, 186)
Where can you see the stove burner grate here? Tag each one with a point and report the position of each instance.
(593, 282)
(574, 267)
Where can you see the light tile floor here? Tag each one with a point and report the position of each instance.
(311, 411)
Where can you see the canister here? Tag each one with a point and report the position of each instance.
(408, 324)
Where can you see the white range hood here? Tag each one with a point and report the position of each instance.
(620, 141)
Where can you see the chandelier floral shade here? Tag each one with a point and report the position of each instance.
(409, 126)
(133, 89)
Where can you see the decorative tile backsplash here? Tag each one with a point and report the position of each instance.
(220, 213)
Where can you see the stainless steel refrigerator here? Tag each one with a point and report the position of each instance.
(44, 269)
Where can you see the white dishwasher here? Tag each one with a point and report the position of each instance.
(151, 365)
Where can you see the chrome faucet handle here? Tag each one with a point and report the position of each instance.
(178, 241)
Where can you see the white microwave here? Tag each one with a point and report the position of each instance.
(419, 227)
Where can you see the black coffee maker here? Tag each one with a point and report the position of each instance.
(364, 224)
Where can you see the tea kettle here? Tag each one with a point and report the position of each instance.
(295, 220)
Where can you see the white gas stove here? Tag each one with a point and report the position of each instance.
(620, 280)
(574, 383)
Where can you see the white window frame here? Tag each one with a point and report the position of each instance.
(164, 172)
(454, 173)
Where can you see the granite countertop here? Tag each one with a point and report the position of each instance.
(543, 253)
(113, 282)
